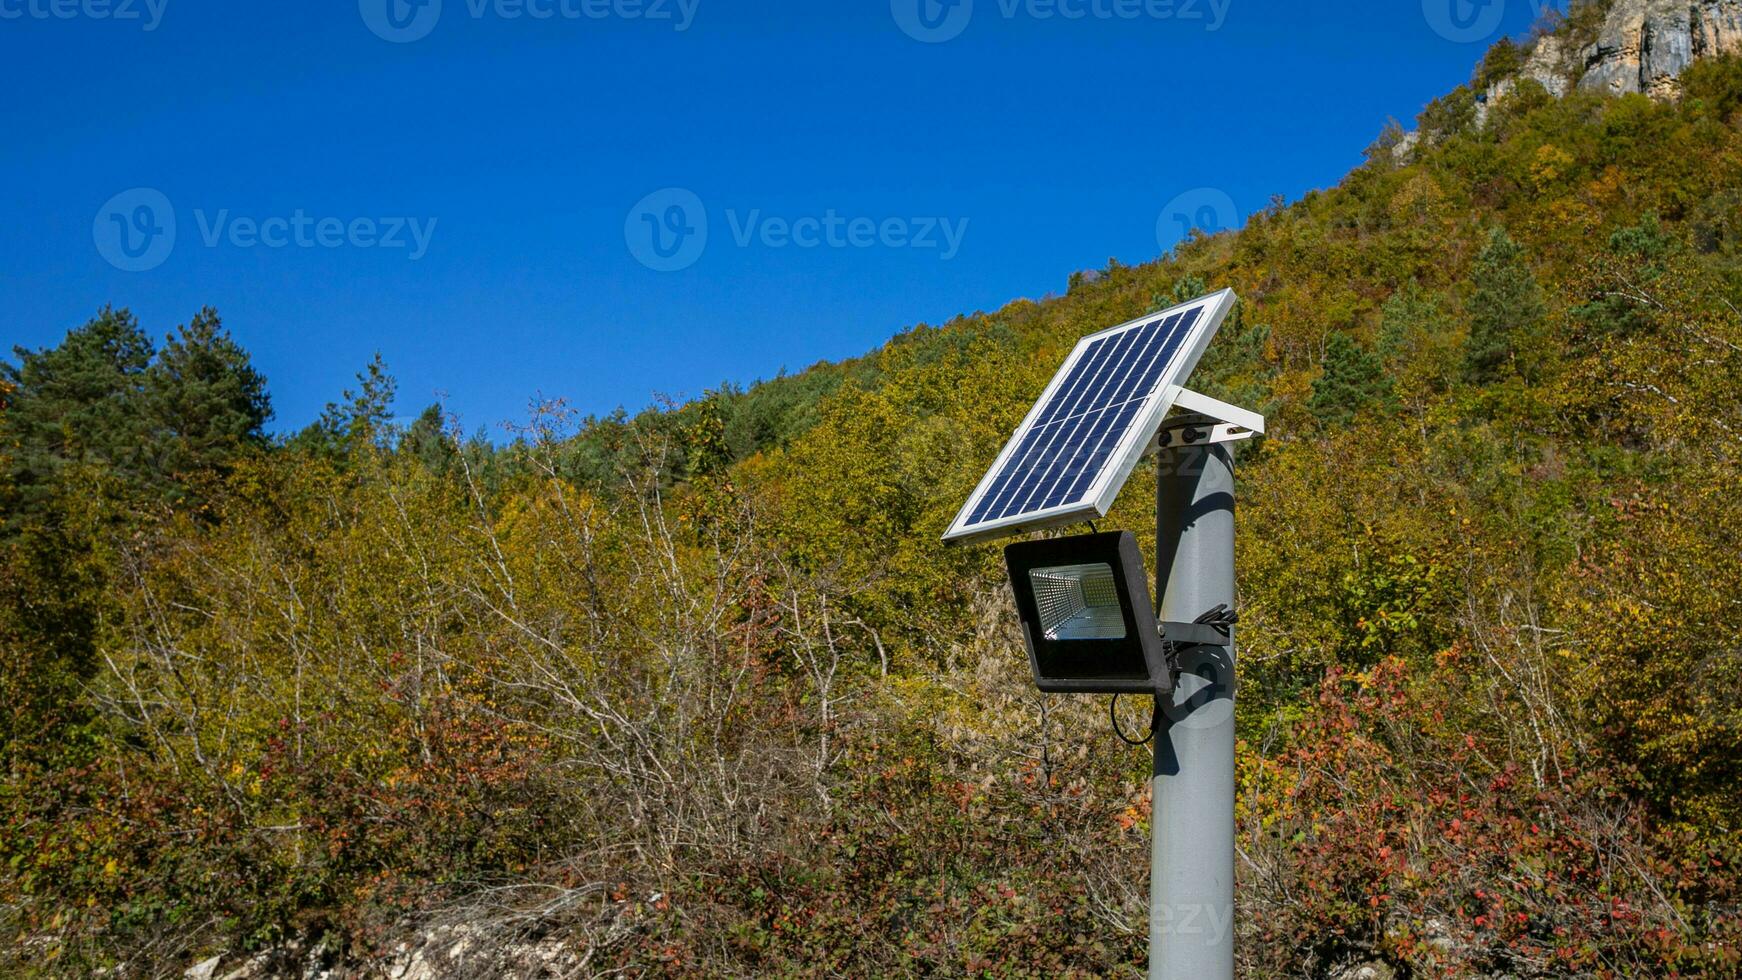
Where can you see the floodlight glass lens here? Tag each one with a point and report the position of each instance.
(1078, 602)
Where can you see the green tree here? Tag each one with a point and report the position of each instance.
(1185, 289)
(428, 440)
(1637, 255)
(75, 404)
(154, 425)
(1416, 342)
(1505, 312)
(1405, 318)
(1502, 61)
(1647, 242)
(1353, 381)
(72, 422)
(358, 418)
(206, 403)
(51, 596)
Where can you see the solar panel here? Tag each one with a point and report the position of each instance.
(1078, 445)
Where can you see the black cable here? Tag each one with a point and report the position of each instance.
(1221, 618)
(1113, 713)
(1212, 615)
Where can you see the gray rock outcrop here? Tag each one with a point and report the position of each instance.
(1645, 45)
(1549, 65)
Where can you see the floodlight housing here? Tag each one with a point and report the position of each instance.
(1086, 615)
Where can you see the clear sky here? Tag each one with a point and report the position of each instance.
(506, 198)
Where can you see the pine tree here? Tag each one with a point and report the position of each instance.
(75, 404)
(1189, 288)
(1417, 341)
(1353, 381)
(1638, 252)
(428, 440)
(70, 407)
(1505, 311)
(102, 399)
(206, 403)
(1410, 318)
(361, 417)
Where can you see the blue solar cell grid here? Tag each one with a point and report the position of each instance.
(1079, 429)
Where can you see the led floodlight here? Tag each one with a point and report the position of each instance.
(1086, 615)
(1078, 602)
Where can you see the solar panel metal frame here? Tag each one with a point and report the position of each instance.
(1098, 499)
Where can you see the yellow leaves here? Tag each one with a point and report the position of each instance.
(1419, 198)
(1606, 190)
(1566, 215)
(1549, 165)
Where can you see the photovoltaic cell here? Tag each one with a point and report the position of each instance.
(1103, 407)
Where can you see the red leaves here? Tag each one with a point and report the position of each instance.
(1381, 825)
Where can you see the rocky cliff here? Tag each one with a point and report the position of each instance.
(1642, 46)
(1645, 45)
(1549, 65)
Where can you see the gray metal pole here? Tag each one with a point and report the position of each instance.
(1191, 904)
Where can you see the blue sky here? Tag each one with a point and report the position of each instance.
(508, 205)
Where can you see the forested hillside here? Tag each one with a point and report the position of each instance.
(700, 693)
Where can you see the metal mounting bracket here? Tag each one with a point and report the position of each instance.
(1194, 634)
(1203, 432)
(1207, 421)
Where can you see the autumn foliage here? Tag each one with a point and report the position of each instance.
(699, 692)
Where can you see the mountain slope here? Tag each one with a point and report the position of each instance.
(701, 693)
